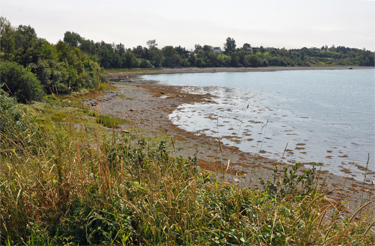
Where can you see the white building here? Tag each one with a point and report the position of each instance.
(217, 50)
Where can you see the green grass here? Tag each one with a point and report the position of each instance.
(108, 121)
(124, 97)
(222, 56)
(264, 53)
(85, 185)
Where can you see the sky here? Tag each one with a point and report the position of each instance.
(282, 24)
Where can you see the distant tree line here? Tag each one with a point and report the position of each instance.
(72, 64)
(117, 56)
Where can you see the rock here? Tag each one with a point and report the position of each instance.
(162, 92)
(236, 180)
(131, 110)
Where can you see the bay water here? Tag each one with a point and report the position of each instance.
(322, 116)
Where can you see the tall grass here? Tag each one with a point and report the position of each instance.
(77, 185)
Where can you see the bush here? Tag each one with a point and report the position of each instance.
(20, 82)
(12, 123)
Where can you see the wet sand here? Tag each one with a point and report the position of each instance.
(148, 105)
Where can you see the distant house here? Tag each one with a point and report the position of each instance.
(217, 50)
(248, 50)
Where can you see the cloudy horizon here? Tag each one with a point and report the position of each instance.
(289, 24)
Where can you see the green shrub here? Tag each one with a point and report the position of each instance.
(12, 123)
(20, 82)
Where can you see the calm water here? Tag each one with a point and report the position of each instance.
(325, 116)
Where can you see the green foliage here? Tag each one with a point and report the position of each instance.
(229, 45)
(60, 68)
(108, 121)
(171, 57)
(114, 56)
(291, 183)
(19, 82)
(11, 119)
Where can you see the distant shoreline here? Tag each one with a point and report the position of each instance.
(226, 69)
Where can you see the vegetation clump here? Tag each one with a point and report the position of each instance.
(31, 66)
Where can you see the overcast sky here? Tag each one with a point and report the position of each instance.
(289, 24)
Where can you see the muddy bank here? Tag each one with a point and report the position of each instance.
(148, 105)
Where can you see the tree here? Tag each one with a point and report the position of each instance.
(156, 57)
(120, 49)
(138, 51)
(7, 33)
(27, 46)
(181, 51)
(230, 45)
(197, 47)
(171, 57)
(261, 49)
(20, 82)
(246, 46)
(192, 59)
(253, 60)
(152, 44)
(72, 38)
(131, 60)
(235, 59)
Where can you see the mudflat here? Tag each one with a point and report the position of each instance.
(148, 104)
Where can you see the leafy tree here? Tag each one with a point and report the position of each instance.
(229, 45)
(138, 51)
(7, 43)
(191, 59)
(171, 57)
(200, 53)
(143, 64)
(197, 48)
(200, 63)
(20, 82)
(131, 60)
(120, 49)
(152, 44)
(235, 60)
(27, 46)
(246, 46)
(145, 53)
(181, 51)
(156, 57)
(72, 38)
(253, 60)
